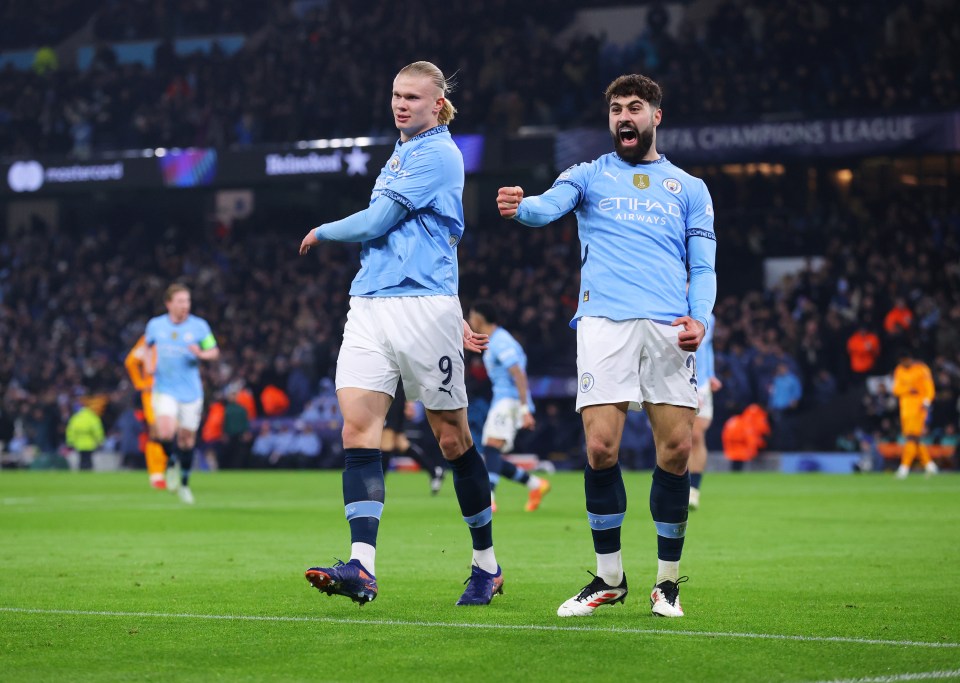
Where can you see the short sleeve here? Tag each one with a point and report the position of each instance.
(507, 356)
(207, 340)
(150, 336)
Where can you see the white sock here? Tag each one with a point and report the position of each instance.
(668, 571)
(533, 483)
(610, 568)
(365, 553)
(486, 560)
(932, 467)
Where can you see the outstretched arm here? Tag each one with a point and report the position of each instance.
(362, 226)
(540, 210)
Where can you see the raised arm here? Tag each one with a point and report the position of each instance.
(540, 210)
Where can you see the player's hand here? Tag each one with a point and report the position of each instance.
(715, 384)
(508, 200)
(527, 421)
(692, 333)
(473, 341)
(194, 349)
(308, 242)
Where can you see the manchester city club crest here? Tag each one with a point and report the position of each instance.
(586, 382)
(394, 164)
(672, 185)
(641, 181)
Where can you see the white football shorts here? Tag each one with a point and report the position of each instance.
(503, 422)
(634, 361)
(705, 394)
(187, 414)
(418, 339)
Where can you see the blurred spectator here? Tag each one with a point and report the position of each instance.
(6, 429)
(130, 428)
(306, 445)
(898, 320)
(264, 444)
(864, 350)
(236, 430)
(784, 399)
(274, 401)
(880, 409)
(211, 435)
(284, 452)
(824, 387)
(84, 435)
(785, 391)
(898, 325)
(739, 444)
(279, 87)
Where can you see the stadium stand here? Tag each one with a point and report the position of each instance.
(297, 76)
(75, 293)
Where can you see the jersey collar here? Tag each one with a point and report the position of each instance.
(427, 133)
(661, 160)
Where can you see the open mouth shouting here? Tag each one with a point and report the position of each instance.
(627, 135)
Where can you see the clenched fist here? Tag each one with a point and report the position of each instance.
(508, 199)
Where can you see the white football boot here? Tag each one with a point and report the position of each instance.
(665, 598)
(596, 593)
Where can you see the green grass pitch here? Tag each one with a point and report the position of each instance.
(792, 578)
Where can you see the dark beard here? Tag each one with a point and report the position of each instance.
(634, 155)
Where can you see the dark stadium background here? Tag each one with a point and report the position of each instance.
(198, 140)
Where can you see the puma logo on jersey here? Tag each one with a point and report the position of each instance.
(445, 390)
(610, 175)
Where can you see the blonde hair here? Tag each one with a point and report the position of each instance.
(431, 71)
(174, 289)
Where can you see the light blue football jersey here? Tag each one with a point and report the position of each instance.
(502, 354)
(418, 256)
(178, 370)
(705, 365)
(641, 227)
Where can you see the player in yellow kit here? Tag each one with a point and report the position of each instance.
(142, 382)
(913, 385)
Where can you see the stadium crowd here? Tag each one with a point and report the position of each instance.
(298, 76)
(70, 308)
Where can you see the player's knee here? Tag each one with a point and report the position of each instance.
(675, 449)
(452, 444)
(356, 436)
(601, 452)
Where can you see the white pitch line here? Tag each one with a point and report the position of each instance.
(491, 627)
(896, 678)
